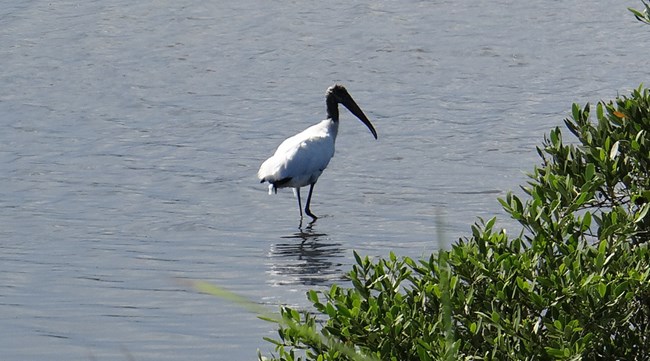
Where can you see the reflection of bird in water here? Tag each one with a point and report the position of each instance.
(306, 258)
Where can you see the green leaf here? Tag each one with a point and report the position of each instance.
(523, 285)
(557, 353)
(586, 221)
(554, 136)
(575, 109)
(599, 111)
(473, 328)
(495, 317)
(312, 296)
(590, 170)
(620, 288)
(357, 258)
(602, 289)
(642, 213)
(614, 151)
(602, 247)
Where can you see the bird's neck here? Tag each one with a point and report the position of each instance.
(329, 127)
(332, 109)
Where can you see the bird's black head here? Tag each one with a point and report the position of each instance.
(337, 94)
(337, 90)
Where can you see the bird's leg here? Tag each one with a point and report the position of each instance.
(297, 190)
(311, 189)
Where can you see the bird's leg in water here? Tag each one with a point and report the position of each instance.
(311, 189)
(296, 191)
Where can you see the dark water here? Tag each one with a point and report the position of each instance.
(132, 132)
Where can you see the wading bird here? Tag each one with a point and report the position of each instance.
(301, 159)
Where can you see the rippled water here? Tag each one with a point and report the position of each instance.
(132, 133)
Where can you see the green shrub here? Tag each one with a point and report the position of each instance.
(575, 283)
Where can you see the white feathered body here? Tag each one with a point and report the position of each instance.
(301, 159)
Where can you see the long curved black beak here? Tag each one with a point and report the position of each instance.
(349, 103)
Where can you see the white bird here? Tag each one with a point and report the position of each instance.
(301, 159)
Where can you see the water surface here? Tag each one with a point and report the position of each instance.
(132, 133)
